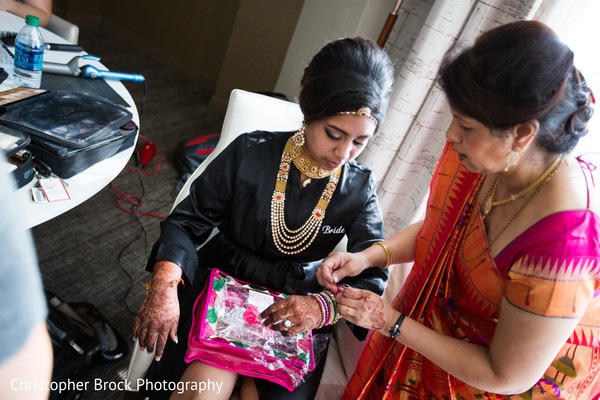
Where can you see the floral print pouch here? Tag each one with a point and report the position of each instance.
(227, 332)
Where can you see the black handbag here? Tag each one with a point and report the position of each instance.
(71, 130)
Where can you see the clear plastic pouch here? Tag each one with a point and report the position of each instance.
(71, 118)
(227, 332)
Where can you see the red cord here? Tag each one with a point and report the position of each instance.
(133, 199)
(137, 202)
(143, 171)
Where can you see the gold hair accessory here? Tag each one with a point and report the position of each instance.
(363, 112)
(293, 241)
(388, 254)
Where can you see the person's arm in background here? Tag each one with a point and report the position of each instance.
(40, 8)
(25, 348)
(31, 364)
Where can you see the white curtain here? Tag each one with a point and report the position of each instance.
(405, 151)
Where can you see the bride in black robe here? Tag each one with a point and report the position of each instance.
(344, 96)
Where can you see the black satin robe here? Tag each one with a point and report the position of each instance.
(234, 195)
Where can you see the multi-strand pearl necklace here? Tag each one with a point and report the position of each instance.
(293, 241)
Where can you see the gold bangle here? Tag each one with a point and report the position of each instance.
(172, 283)
(388, 254)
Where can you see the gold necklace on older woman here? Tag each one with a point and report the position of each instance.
(489, 203)
(545, 178)
(293, 241)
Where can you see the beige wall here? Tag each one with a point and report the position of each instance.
(259, 42)
(323, 21)
(220, 44)
(191, 38)
(256, 45)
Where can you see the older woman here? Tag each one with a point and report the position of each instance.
(281, 201)
(502, 298)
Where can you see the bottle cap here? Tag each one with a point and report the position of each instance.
(32, 20)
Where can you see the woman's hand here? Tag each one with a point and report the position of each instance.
(366, 309)
(293, 315)
(158, 316)
(339, 265)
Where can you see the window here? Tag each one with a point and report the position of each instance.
(577, 25)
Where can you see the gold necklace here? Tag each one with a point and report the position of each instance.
(307, 165)
(488, 203)
(293, 241)
(547, 176)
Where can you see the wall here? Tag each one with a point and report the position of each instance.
(256, 45)
(323, 21)
(191, 38)
(220, 44)
(257, 48)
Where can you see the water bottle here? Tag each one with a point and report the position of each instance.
(29, 54)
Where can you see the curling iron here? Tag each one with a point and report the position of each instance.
(73, 68)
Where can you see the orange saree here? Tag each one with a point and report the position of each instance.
(455, 288)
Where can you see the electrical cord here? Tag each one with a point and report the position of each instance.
(143, 233)
(136, 202)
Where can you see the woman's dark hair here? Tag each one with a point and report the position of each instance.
(516, 73)
(345, 75)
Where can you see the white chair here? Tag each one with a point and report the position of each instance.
(64, 29)
(247, 112)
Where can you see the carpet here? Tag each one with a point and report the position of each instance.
(97, 252)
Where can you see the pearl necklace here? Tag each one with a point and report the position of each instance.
(293, 241)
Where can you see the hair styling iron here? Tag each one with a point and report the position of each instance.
(8, 38)
(73, 68)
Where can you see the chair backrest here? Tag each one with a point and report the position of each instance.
(247, 112)
(64, 29)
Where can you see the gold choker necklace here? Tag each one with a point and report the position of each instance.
(307, 165)
(294, 241)
(488, 203)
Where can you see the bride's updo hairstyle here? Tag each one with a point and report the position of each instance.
(346, 75)
(516, 73)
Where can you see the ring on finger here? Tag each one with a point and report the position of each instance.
(287, 323)
(348, 311)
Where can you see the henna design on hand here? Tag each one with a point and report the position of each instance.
(354, 294)
(374, 304)
(307, 312)
(302, 311)
(157, 315)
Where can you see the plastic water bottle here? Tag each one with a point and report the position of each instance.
(29, 54)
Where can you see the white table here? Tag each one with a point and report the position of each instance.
(89, 182)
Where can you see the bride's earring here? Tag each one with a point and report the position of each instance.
(298, 138)
(512, 159)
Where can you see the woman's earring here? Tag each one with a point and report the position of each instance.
(513, 158)
(298, 137)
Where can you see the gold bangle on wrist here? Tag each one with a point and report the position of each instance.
(388, 254)
(172, 283)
